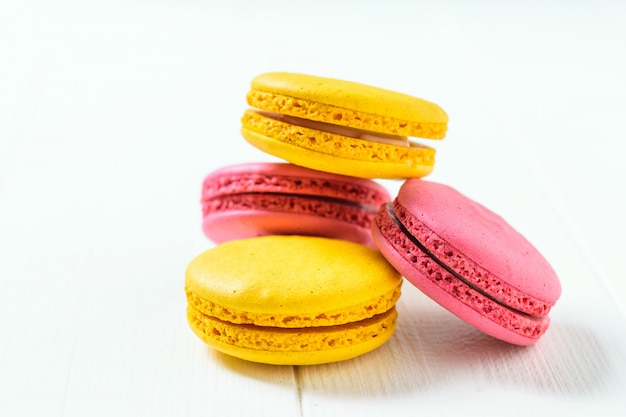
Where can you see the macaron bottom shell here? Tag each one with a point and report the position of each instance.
(364, 159)
(316, 218)
(295, 346)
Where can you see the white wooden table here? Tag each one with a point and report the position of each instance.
(111, 114)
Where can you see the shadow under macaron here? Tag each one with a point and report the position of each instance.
(432, 348)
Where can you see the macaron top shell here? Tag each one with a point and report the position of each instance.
(481, 236)
(347, 103)
(292, 179)
(294, 281)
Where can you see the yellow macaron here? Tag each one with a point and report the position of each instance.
(294, 300)
(342, 127)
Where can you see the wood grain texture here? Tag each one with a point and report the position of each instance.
(436, 361)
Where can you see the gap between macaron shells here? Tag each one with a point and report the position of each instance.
(392, 215)
(351, 132)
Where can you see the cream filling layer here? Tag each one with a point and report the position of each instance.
(338, 130)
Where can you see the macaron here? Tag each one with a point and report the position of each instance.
(469, 260)
(342, 127)
(293, 300)
(258, 199)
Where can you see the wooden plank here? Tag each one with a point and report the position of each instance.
(110, 115)
(111, 338)
(436, 363)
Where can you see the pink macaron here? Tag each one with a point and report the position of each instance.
(257, 199)
(469, 260)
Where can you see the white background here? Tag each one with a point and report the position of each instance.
(111, 113)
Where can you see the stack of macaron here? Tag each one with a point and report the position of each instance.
(310, 253)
